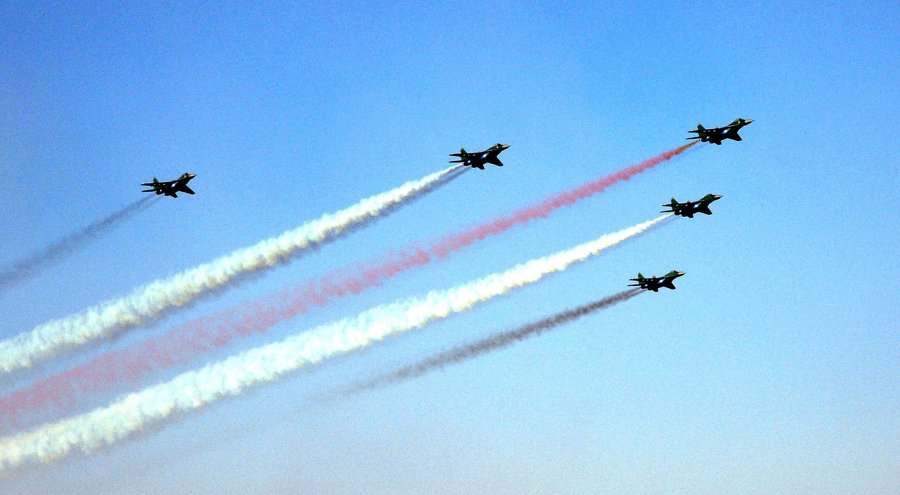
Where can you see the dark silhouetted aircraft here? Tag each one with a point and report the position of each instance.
(717, 134)
(689, 208)
(479, 158)
(172, 187)
(654, 283)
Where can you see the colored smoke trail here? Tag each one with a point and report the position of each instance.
(484, 346)
(152, 301)
(185, 342)
(32, 265)
(566, 198)
(194, 390)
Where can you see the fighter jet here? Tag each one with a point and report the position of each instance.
(479, 158)
(717, 134)
(654, 283)
(689, 208)
(172, 187)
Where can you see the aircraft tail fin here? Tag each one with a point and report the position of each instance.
(154, 185)
(672, 206)
(700, 131)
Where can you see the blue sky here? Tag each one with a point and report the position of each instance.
(772, 369)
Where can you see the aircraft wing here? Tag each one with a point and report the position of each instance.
(185, 188)
(494, 160)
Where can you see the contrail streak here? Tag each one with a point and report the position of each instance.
(193, 390)
(484, 346)
(185, 342)
(32, 265)
(151, 301)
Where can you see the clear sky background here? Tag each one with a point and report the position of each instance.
(774, 368)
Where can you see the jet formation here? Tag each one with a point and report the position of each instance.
(477, 159)
(717, 134)
(689, 208)
(172, 187)
(655, 283)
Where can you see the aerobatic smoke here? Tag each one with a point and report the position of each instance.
(32, 265)
(456, 242)
(151, 301)
(184, 342)
(484, 346)
(193, 390)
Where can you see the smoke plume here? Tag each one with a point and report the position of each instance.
(187, 341)
(152, 301)
(484, 346)
(34, 264)
(194, 390)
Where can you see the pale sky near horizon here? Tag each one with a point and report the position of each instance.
(774, 368)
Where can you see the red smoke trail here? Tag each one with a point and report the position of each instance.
(457, 241)
(185, 342)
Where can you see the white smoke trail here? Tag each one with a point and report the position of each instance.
(194, 389)
(151, 301)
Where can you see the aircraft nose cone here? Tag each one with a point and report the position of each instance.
(504, 146)
(716, 196)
